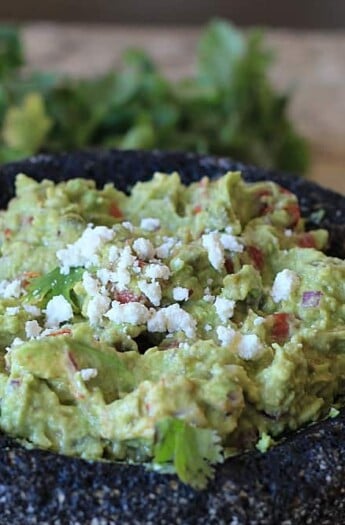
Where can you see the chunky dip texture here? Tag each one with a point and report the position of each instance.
(174, 326)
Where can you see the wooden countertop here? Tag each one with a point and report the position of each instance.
(312, 64)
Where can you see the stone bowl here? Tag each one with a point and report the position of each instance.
(301, 480)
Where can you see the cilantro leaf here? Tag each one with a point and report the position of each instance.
(190, 450)
(42, 289)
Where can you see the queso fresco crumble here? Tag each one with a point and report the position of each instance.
(174, 326)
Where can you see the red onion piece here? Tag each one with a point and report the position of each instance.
(311, 299)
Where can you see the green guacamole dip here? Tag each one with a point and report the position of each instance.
(173, 327)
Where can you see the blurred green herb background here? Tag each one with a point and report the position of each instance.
(228, 108)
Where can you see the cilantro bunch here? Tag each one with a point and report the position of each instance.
(228, 108)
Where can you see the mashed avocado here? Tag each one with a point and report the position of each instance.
(174, 326)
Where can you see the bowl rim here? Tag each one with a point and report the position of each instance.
(232, 477)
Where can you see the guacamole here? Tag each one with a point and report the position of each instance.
(174, 326)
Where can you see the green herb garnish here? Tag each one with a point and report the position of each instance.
(189, 451)
(42, 289)
(229, 107)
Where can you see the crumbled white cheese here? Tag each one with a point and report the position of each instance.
(176, 264)
(231, 243)
(224, 308)
(32, 329)
(125, 262)
(158, 322)
(288, 233)
(10, 289)
(88, 373)
(132, 313)
(208, 297)
(150, 224)
(113, 253)
(163, 251)
(225, 335)
(126, 259)
(58, 311)
(144, 249)
(97, 307)
(211, 242)
(106, 276)
(207, 327)
(12, 310)
(17, 341)
(152, 291)
(180, 293)
(249, 346)
(136, 268)
(121, 276)
(157, 271)
(32, 310)
(90, 284)
(259, 321)
(128, 225)
(84, 251)
(284, 284)
(172, 319)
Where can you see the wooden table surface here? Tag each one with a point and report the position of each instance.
(312, 64)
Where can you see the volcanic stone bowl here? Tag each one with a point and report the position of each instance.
(301, 480)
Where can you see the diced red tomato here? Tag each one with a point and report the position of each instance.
(7, 233)
(306, 240)
(31, 275)
(264, 192)
(229, 265)
(257, 256)
(141, 263)
(294, 212)
(63, 331)
(125, 296)
(281, 327)
(266, 208)
(27, 276)
(115, 211)
(284, 190)
(197, 209)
